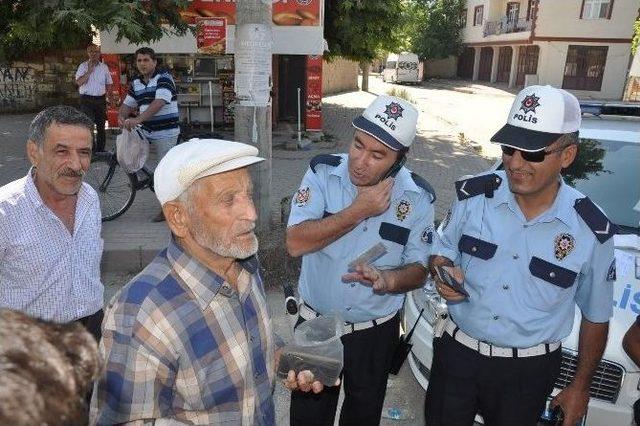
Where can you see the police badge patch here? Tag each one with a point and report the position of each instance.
(563, 245)
(402, 210)
(427, 235)
(611, 274)
(302, 197)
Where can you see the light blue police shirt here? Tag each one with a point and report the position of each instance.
(406, 229)
(525, 277)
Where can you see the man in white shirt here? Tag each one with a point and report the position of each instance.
(94, 84)
(50, 244)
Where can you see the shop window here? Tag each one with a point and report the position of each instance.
(477, 15)
(584, 67)
(596, 9)
(463, 18)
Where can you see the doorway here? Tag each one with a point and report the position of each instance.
(291, 76)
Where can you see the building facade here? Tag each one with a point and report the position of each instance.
(583, 46)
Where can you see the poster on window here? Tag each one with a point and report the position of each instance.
(313, 104)
(211, 35)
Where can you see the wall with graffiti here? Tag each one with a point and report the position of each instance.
(39, 82)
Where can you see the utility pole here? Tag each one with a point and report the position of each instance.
(253, 55)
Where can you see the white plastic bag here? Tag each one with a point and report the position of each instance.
(132, 150)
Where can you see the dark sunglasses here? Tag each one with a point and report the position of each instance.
(531, 157)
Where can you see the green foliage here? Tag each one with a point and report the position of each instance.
(433, 27)
(636, 36)
(361, 29)
(32, 26)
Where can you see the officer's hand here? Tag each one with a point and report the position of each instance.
(373, 200)
(447, 292)
(368, 275)
(573, 401)
(304, 382)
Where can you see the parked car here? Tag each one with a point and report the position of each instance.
(403, 67)
(607, 169)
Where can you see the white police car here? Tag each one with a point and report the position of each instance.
(607, 170)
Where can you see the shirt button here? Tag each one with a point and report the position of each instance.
(474, 249)
(552, 274)
(505, 287)
(348, 308)
(364, 229)
(496, 317)
(515, 256)
(352, 285)
(525, 226)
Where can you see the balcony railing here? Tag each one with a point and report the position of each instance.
(506, 25)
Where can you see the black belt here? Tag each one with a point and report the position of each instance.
(92, 97)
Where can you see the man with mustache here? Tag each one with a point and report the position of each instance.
(50, 244)
(189, 339)
(528, 248)
(347, 204)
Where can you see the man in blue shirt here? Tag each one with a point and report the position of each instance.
(528, 248)
(347, 204)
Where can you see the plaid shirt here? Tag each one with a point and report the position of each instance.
(180, 344)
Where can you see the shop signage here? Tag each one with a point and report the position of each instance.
(304, 13)
(313, 120)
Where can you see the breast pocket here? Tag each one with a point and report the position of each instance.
(476, 247)
(550, 284)
(395, 239)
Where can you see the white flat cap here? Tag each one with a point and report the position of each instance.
(189, 161)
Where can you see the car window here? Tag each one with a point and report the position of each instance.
(608, 172)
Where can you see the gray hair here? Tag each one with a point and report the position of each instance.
(568, 139)
(59, 114)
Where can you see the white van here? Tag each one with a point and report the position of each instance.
(404, 67)
(616, 382)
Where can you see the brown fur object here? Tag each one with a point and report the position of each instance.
(46, 370)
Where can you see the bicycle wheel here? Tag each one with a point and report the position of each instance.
(115, 187)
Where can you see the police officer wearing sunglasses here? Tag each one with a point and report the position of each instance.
(528, 248)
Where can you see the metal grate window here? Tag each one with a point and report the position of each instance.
(584, 67)
(606, 382)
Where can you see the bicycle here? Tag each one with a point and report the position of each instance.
(115, 187)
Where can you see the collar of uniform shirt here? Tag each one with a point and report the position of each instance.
(403, 180)
(505, 196)
(203, 282)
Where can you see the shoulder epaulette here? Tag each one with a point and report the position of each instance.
(331, 160)
(597, 221)
(251, 264)
(422, 183)
(484, 184)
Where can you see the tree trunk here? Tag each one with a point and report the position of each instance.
(252, 116)
(365, 75)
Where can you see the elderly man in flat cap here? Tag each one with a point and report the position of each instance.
(189, 339)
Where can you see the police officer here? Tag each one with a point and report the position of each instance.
(528, 248)
(345, 205)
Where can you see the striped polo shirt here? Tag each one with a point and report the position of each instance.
(164, 124)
